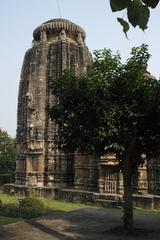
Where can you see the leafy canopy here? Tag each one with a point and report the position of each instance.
(7, 153)
(102, 110)
(138, 12)
(114, 107)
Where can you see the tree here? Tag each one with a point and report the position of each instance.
(7, 153)
(138, 12)
(114, 107)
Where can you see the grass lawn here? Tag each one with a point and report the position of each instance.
(5, 198)
(55, 205)
(8, 220)
(50, 204)
(141, 210)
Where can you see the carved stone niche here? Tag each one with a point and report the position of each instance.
(43, 36)
(80, 40)
(62, 35)
(30, 101)
(32, 180)
(108, 174)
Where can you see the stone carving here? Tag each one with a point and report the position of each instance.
(80, 40)
(38, 91)
(62, 35)
(43, 36)
(29, 101)
(34, 43)
(32, 181)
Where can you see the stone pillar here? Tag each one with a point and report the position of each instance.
(101, 178)
(86, 172)
(120, 187)
(141, 184)
(93, 174)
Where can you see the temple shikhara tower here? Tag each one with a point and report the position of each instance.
(58, 45)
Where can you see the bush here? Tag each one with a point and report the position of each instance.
(6, 178)
(9, 209)
(31, 207)
(33, 193)
(28, 207)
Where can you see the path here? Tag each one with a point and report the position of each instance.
(83, 224)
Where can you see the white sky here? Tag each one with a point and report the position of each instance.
(18, 19)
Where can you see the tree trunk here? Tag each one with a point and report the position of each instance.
(127, 181)
(128, 200)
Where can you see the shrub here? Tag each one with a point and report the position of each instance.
(28, 207)
(6, 178)
(31, 207)
(9, 209)
(33, 193)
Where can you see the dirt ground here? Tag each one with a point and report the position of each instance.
(83, 224)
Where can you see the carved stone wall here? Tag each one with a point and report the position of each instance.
(145, 181)
(86, 172)
(153, 176)
(110, 178)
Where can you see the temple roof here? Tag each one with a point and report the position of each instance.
(56, 25)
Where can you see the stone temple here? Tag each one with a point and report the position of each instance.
(57, 45)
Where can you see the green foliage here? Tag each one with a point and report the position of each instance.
(99, 111)
(151, 3)
(117, 5)
(33, 193)
(7, 153)
(80, 107)
(138, 12)
(5, 198)
(62, 206)
(8, 205)
(114, 107)
(28, 207)
(51, 204)
(6, 178)
(9, 209)
(8, 220)
(31, 207)
(124, 24)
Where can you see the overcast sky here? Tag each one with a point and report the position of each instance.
(18, 19)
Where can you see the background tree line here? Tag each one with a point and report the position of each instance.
(7, 157)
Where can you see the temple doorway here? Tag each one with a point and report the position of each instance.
(111, 180)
